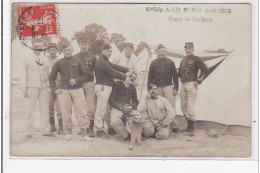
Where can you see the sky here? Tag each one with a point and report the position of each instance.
(230, 31)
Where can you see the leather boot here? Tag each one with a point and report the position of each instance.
(90, 129)
(191, 129)
(60, 131)
(52, 123)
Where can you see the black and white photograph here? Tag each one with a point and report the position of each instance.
(131, 80)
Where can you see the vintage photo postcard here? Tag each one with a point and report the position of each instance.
(131, 80)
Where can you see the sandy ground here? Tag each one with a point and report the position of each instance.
(178, 145)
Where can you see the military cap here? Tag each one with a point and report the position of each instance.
(129, 45)
(82, 37)
(160, 46)
(50, 45)
(188, 44)
(106, 46)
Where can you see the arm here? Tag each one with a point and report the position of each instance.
(107, 68)
(170, 113)
(119, 68)
(53, 76)
(135, 101)
(112, 99)
(83, 73)
(204, 70)
(179, 71)
(175, 77)
(150, 75)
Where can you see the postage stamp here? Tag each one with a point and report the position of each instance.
(37, 21)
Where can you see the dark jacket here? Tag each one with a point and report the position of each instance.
(189, 69)
(121, 96)
(163, 73)
(106, 71)
(89, 61)
(69, 68)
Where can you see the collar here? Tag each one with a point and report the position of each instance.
(104, 57)
(189, 56)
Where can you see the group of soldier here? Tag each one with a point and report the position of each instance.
(101, 91)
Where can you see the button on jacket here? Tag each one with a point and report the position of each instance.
(89, 62)
(35, 75)
(122, 95)
(189, 68)
(106, 71)
(163, 73)
(69, 68)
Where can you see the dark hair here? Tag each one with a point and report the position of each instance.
(150, 86)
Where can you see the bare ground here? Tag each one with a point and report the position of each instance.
(178, 145)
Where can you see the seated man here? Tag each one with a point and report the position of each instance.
(160, 114)
(123, 100)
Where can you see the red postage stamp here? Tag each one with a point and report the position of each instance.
(37, 21)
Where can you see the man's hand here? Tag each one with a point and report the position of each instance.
(128, 109)
(196, 85)
(58, 91)
(25, 92)
(148, 96)
(128, 74)
(72, 82)
(175, 92)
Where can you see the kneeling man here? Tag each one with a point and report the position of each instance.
(160, 114)
(123, 100)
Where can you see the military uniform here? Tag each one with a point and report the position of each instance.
(105, 74)
(35, 72)
(160, 115)
(121, 96)
(188, 72)
(72, 95)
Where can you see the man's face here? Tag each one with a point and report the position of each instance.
(189, 50)
(52, 52)
(38, 46)
(128, 51)
(107, 53)
(153, 92)
(161, 53)
(68, 51)
(83, 47)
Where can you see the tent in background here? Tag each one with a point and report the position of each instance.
(220, 94)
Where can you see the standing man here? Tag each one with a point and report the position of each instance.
(126, 59)
(188, 73)
(35, 87)
(89, 62)
(52, 50)
(105, 74)
(70, 92)
(160, 114)
(163, 74)
(123, 100)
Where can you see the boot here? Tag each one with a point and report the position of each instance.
(90, 129)
(68, 137)
(191, 129)
(52, 123)
(60, 131)
(188, 127)
(102, 134)
(84, 136)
